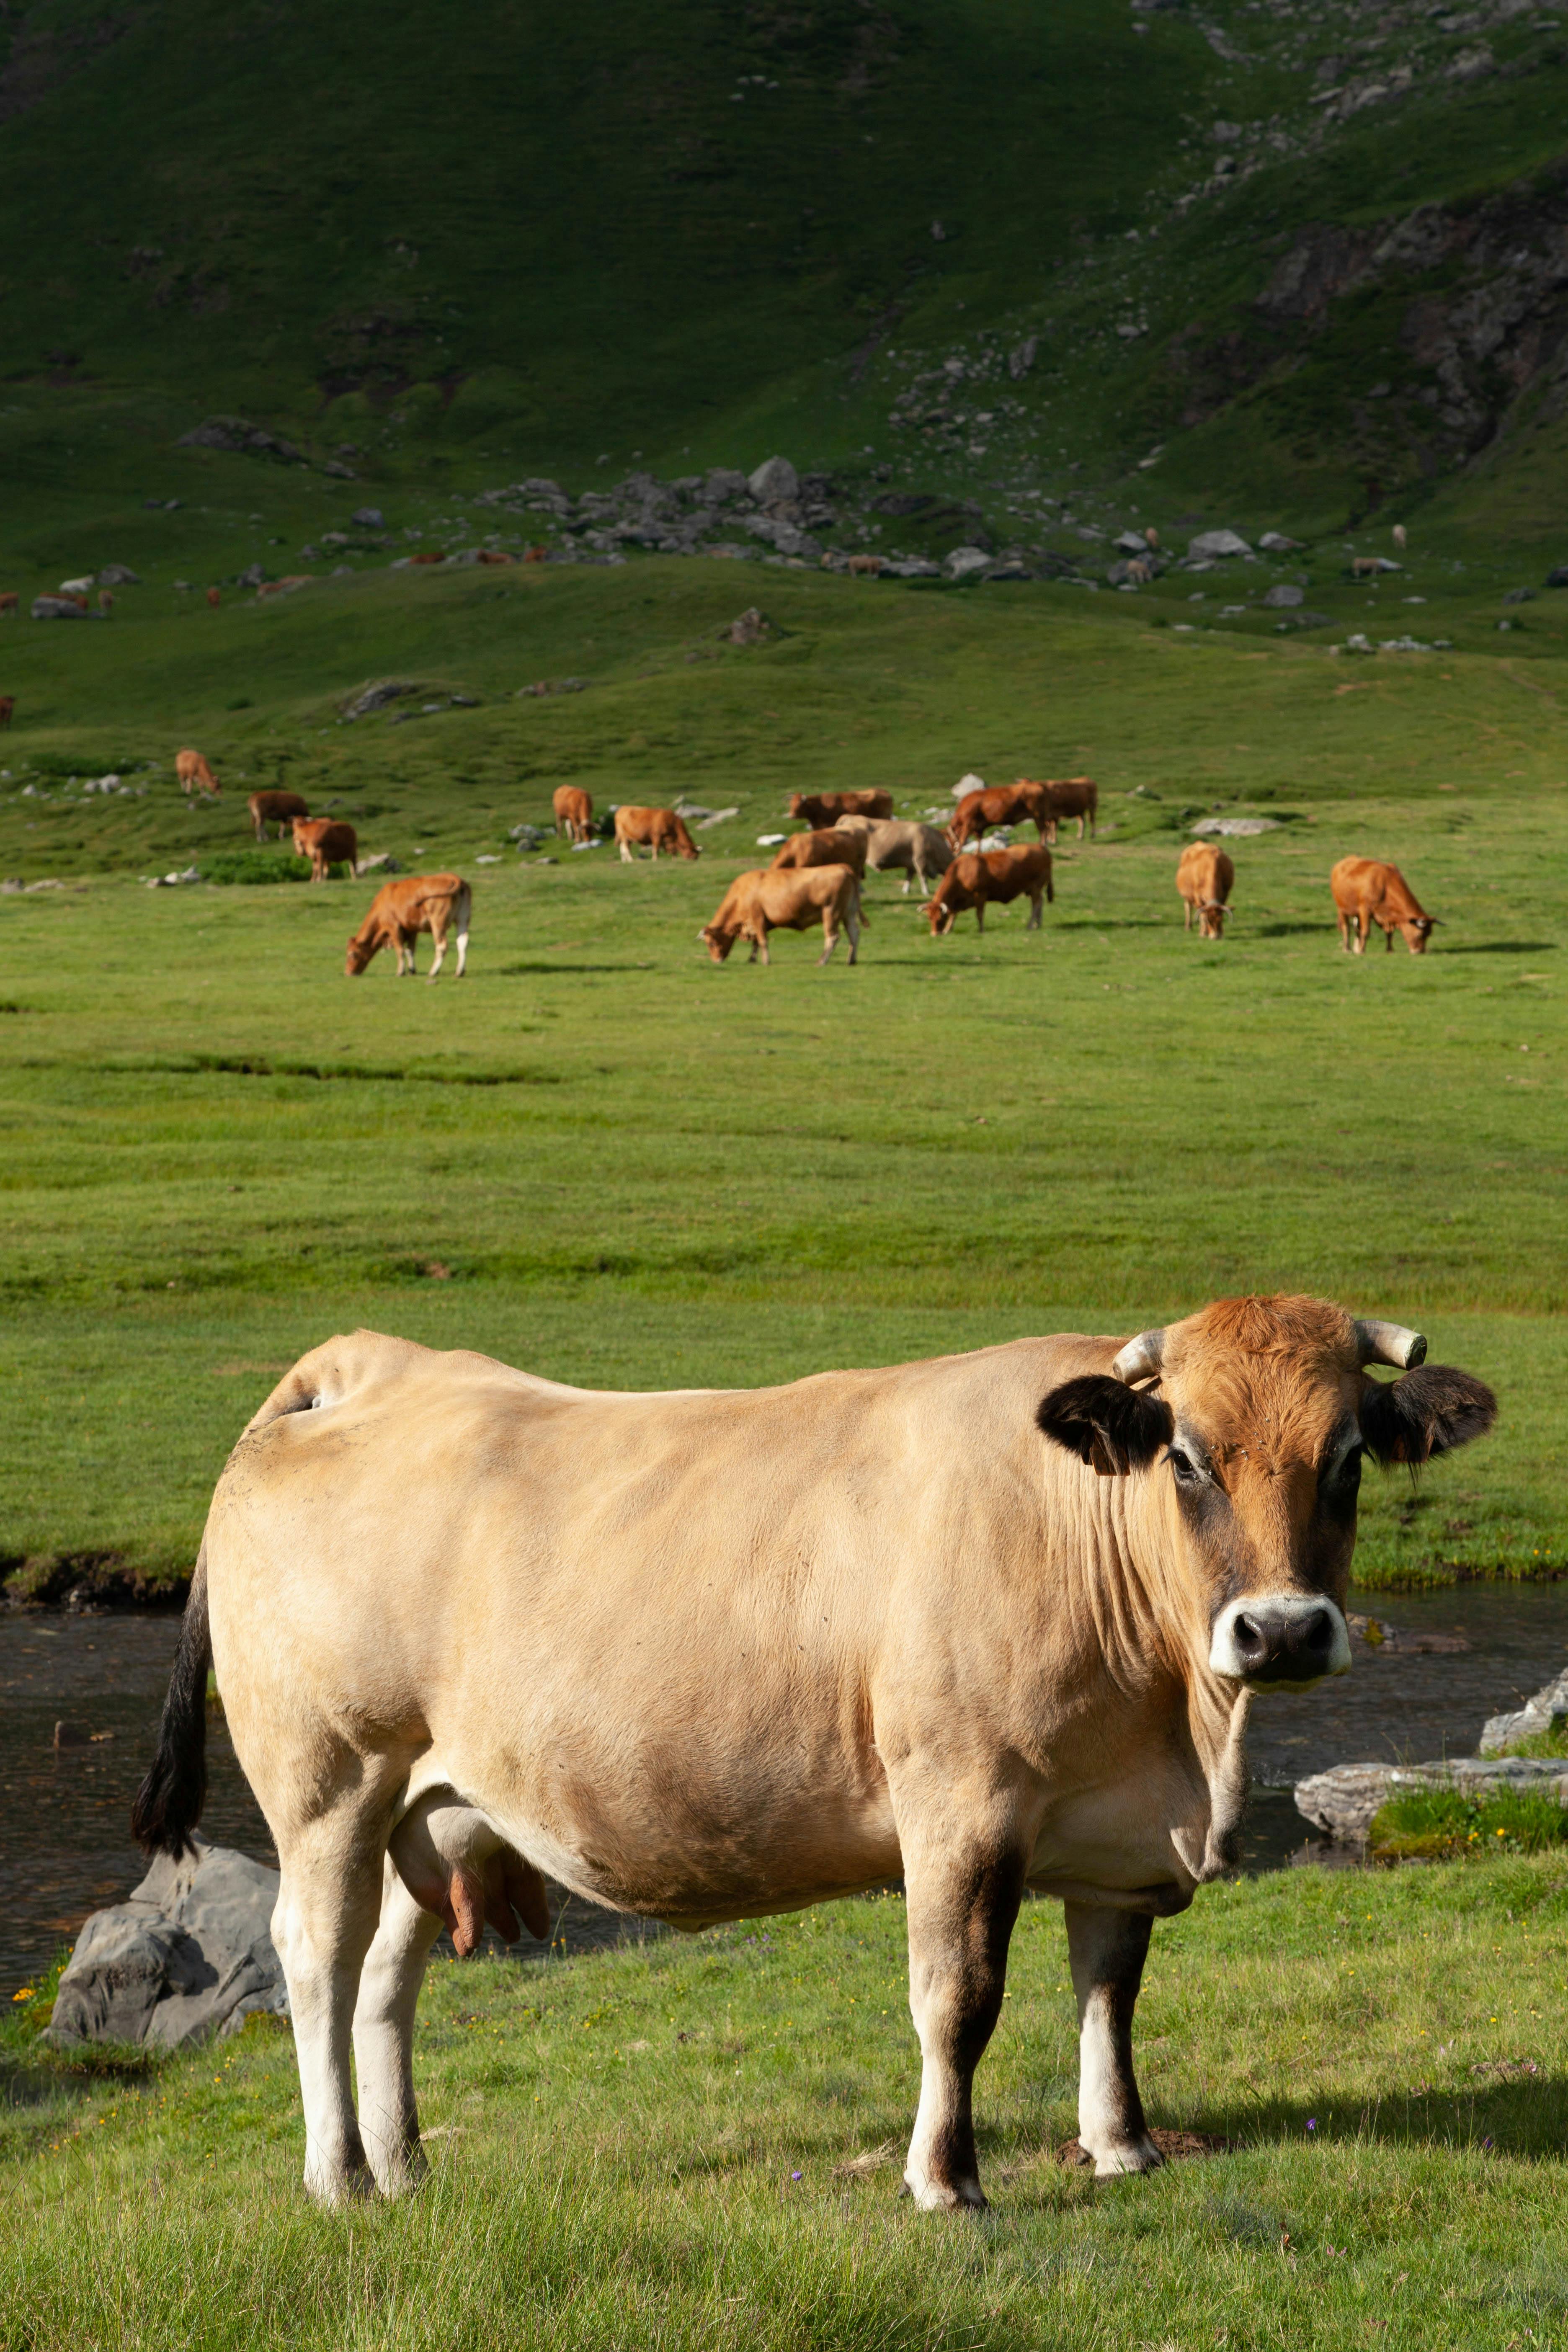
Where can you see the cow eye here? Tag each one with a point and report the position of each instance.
(1347, 1470)
(1187, 1471)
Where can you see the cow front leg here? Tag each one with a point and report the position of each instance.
(383, 2037)
(1107, 1950)
(961, 1914)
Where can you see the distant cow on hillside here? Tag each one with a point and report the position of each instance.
(653, 829)
(1204, 877)
(1366, 892)
(573, 812)
(821, 848)
(823, 809)
(990, 879)
(326, 842)
(275, 808)
(194, 774)
(436, 903)
(10, 602)
(760, 902)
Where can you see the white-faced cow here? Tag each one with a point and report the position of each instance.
(716, 1653)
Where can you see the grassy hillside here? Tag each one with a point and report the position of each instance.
(1306, 254)
(698, 2144)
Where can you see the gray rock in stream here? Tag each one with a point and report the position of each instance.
(1343, 1800)
(188, 1955)
(1537, 1715)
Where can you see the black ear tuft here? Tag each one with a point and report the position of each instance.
(1107, 1424)
(1430, 1410)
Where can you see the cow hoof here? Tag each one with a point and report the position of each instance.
(945, 2197)
(339, 2184)
(1126, 2156)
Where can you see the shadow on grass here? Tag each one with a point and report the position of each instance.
(1293, 931)
(1502, 947)
(1505, 2110)
(529, 970)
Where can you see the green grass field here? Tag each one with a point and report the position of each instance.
(700, 2144)
(630, 1168)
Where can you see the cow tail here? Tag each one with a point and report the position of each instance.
(168, 1804)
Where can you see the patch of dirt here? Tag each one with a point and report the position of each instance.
(1173, 2146)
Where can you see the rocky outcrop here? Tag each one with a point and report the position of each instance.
(188, 1956)
(1538, 1713)
(1343, 1800)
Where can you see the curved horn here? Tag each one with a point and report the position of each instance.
(1389, 1343)
(1141, 1359)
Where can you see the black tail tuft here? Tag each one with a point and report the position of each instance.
(168, 1804)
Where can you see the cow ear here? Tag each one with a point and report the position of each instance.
(1430, 1410)
(1114, 1428)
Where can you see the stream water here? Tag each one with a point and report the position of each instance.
(65, 1847)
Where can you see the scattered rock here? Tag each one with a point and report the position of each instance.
(119, 575)
(170, 881)
(749, 629)
(252, 577)
(774, 483)
(1558, 576)
(963, 562)
(1215, 545)
(717, 816)
(1020, 361)
(236, 433)
(554, 686)
(1274, 543)
(382, 862)
(1235, 827)
(1519, 596)
(57, 608)
(1343, 1800)
(969, 783)
(375, 696)
(1537, 1715)
(188, 1955)
(1282, 594)
(1132, 542)
(1305, 621)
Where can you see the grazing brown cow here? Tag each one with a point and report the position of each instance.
(10, 602)
(1205, 876)
(1071, 796)
(825, 808)
(654, 829)
(831, 848)
(1367, 892)
(535, 554)
(573, 812)
(399, 912)
(7, 706)
(194, 774)
(215, 598)
(431, 556)
(991, 877)
(496, 555)
(760, 902)
(105, 602)
(1019, 804)
(989, 1623)
(325, 842)
(275, 808)
(919, 851)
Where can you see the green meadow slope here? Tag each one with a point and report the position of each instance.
(1309, 255)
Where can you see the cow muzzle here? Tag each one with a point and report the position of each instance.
(1282, 1641)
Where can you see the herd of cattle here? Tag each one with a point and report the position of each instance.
(816, 876)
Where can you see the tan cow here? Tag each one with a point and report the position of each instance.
(1019, 804)
(325, 842)
(864, 567)
(767, 900)
(823, 809)
(653, 829)
(990, 877)
(832, 847)
(215, 598)
(276, 808)
(436, 903)
(919, 851)
(1204, 877)
(573, 812)
(1070, 796)
(195, 775)
(10, 602)
(1366, 892)
(991, 1622)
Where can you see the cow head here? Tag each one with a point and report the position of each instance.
(1211, 918)
(359, 955)
(1415, 931)
(717, 940)
(1249, 1421)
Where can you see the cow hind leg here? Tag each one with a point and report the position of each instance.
(1035, 913)
(962, 1906)
(439, 939)
(1107, 1950)
(383, 2037)
(829, 941)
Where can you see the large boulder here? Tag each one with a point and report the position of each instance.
(119, 575)
(57, 608)
(1538, 1714)
(775, 483)
(188, 1955)
(963, 562)
(1212, 545)
(1343, 1800)
(1283, 593)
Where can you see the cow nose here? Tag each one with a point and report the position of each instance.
(1279, 1641)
